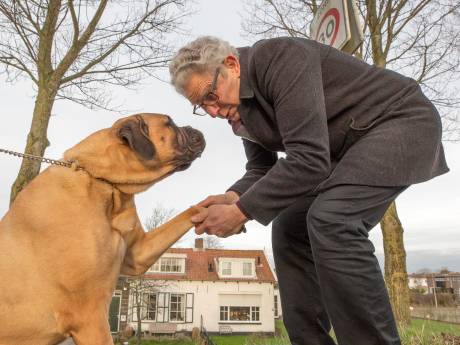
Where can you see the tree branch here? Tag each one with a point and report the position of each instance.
(117, 44)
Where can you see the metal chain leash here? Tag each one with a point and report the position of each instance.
(38, 158)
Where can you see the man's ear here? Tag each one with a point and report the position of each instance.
(232, 63)
(135, 134)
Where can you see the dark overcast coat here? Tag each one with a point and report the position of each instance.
(339, 120)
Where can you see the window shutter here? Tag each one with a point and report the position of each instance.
(167, 297)
(143, 306)
(161, 307)
(189, 308)
(132, 307)
(134, 313)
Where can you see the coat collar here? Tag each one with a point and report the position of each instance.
(246, 90)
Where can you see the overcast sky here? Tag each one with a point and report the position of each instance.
(429, 212)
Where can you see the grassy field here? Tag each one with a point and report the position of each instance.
(424, 332)
(420, 332)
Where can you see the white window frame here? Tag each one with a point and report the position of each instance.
(247, 273)
(162, 265)
(226, 271)
(225, 313)
(181, 310)
(148, 305)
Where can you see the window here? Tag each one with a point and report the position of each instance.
(226, 268)
(255, 314)
(247, 268)
(169, 265)
(276, 305)
(150, 302)
(224, 313)
(177, 305)
(240, 314)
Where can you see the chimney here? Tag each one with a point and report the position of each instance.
(199, 243)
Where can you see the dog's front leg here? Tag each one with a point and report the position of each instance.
(144, 248)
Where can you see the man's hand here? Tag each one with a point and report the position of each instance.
(220, 220)
(227, 199)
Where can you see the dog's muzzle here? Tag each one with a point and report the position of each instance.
(191, 144)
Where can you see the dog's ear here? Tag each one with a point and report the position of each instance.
(136, 134)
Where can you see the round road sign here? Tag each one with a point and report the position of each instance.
(328, 27)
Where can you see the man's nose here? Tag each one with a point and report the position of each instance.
(223, 112)
(217, 111)
(213, 110)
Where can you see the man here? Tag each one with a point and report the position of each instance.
(355, 136)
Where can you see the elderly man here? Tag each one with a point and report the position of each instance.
(355, 136)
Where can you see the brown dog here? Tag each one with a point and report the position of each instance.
(71, 232)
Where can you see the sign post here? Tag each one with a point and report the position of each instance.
(337, 24)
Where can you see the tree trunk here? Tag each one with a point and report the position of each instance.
(37, 140)
(395, 265)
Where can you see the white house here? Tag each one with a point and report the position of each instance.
(223, 290)
(418, 281)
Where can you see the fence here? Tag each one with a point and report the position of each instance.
(451, 315)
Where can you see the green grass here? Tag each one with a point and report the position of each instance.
(229, 339)
(163, 342)
(432, 327)
(426, 332)
(420, 332)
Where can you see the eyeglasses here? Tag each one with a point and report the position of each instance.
(209, 99)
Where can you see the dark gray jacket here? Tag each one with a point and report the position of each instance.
(339, 120)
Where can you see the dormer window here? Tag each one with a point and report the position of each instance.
(247, 269)
(226, 268)
(169, 265)
(237, 268)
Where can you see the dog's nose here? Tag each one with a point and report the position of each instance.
(195, 139)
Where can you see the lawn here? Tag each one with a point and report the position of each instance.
(420, 332)
(425, 332)
(163, 342)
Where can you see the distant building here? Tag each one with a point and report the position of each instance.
(441, 282)
(418, 281)
(223, 290)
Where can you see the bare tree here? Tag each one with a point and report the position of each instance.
(419, 38)
(143, 301)
(143, 290)
(159, 216)
(74, 50)
(213, 242)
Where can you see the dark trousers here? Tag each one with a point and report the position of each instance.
(327, 270)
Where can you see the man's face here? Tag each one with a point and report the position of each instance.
(221, 98)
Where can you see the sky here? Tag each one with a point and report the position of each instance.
(429, 212)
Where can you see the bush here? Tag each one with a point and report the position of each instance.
(420, 299)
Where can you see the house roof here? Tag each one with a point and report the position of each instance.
(198, 261)
(435, 275)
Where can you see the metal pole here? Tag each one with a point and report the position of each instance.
(434, 291)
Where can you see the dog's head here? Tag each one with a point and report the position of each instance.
(138, 151)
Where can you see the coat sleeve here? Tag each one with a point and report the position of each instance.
(288, 74)
(260, 161)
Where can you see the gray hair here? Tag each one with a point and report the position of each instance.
(202, 55)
